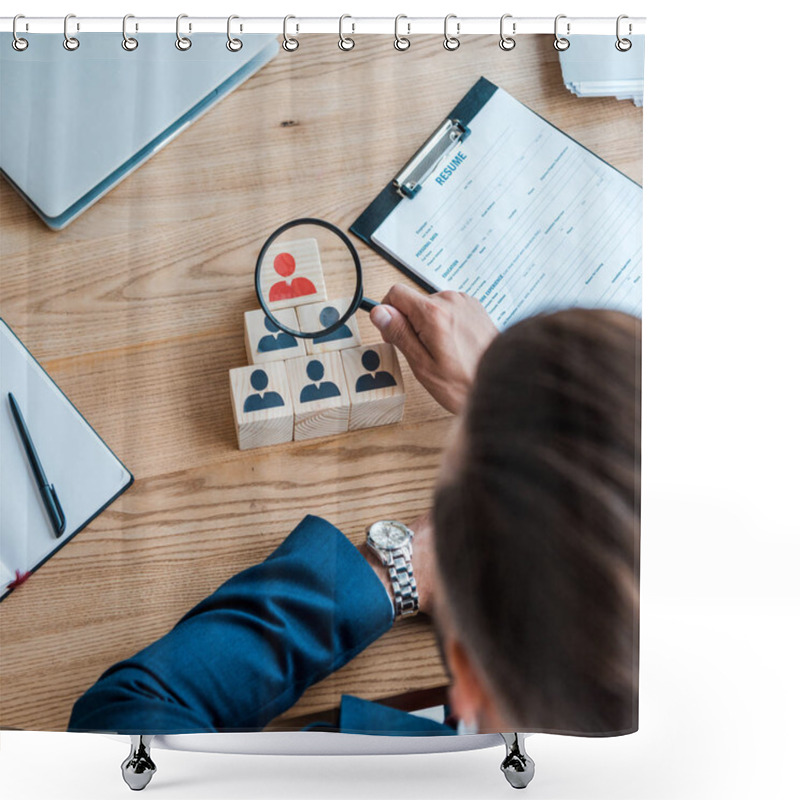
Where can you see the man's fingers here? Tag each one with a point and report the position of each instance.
(411, 303)
(396, 329)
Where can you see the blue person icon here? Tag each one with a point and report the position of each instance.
(380, 380)
(261, 399)
(276, 340)
(327, 317)
(319, 389)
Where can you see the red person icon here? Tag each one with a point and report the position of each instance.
(285, 290)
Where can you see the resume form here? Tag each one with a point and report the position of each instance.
(524, 218)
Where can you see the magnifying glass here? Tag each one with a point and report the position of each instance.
(309, 279)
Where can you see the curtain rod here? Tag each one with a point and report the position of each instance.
(407, 25)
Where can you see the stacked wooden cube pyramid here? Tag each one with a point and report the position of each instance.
(294, 388)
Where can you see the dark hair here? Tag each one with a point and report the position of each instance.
(537, 533)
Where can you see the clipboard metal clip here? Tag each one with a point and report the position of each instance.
(447, 136)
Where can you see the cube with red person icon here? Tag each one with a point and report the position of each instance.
(292, 274)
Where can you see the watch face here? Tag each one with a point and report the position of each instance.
(389, 535)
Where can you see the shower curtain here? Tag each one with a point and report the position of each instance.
(223, 581)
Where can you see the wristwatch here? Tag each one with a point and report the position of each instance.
(391, 542)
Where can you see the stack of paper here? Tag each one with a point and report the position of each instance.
(593, 67)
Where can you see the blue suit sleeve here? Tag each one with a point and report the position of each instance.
(248, 651)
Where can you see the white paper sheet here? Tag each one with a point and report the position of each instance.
(528, 221)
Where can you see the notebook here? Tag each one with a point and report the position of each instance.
(74, 124)
(86, 474)
(506, 207)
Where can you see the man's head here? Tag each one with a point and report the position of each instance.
(536, 522)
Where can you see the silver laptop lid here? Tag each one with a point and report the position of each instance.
(73, 124)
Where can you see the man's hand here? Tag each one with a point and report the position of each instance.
(442, 337)
(421, 560)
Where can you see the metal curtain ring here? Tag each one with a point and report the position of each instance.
(560, 43)
(401, 42)
(128, 42)
(290, 44)
(70, 42)
(507, 42)
(623, 45)
(234, 45)
(346, 42)
(18, 43)
(182, 42)
(451, 42)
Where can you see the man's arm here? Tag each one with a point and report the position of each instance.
(248, 651)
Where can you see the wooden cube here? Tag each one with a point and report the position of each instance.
(316, 316)
(375, 383)
(291, 274)
(265, 342)
(319, 394)
(262, 405)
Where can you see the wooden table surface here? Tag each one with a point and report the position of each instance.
(135, 309)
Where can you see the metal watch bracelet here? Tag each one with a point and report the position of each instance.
(404, 586)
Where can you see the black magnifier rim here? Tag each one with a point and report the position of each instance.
(357, 296)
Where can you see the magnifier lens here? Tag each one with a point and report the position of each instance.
(308, 279)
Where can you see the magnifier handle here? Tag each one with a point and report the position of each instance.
(367, 304)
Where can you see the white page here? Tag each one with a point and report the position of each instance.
(529, 221)
(84, 471)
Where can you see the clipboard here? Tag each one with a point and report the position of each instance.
(87, 474)
(438, 164)
(408, 182)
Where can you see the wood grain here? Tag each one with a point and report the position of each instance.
(136, 311)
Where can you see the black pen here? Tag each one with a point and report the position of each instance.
(47, 490)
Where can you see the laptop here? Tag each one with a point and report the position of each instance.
(74, 124)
